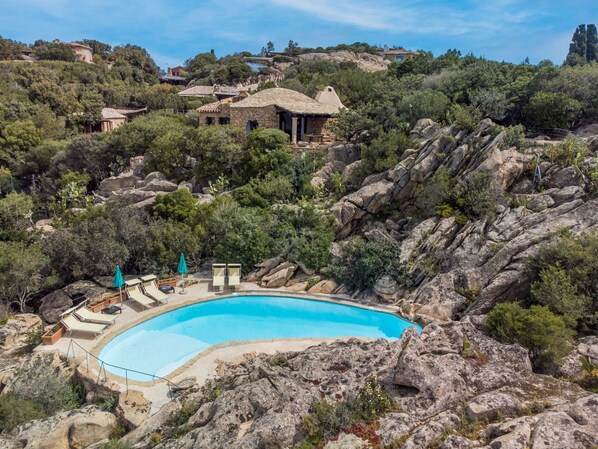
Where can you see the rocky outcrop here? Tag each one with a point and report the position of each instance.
(365, 61)
(437, 390)
(76, 429)
(53, 304)
(14, 334)
(135, 191)
(462, 154)
(132, 409)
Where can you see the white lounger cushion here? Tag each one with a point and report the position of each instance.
(136, 295)
(73, 324)
(83, 313)
(234, 275)
(154, 292)
(218, 275)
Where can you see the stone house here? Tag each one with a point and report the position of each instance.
(82, 52)
(111, 119)
(397, 54)
(300, 116)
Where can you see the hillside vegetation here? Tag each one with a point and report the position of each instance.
(464, 190)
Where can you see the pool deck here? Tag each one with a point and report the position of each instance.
(204, 365)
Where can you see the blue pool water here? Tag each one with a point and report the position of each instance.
(164, 343)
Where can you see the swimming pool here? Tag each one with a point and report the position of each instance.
(162, 344)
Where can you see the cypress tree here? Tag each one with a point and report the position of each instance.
(578, 47)
(579, 43)
(592, 43)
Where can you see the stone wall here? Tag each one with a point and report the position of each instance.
(266, 117)
(203, 117)
(322, 125)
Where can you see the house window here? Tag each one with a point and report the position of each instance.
(251, 125)
(224, 121)
(399, 58)
(210, 120)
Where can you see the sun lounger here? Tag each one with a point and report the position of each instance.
(234, 275)
(72, 324)
(151, 289)
(134, 293)
(84, 314)
(218, 275)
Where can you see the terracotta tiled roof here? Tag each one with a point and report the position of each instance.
(215, 107)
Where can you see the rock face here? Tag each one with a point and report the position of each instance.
(438, 391)
(132, 409)
(74, 430)
(53, 304)
(13, 335)
(365, 61)
(468, 268)
(135, 191)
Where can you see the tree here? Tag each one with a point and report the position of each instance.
(17, 138)
(292, 48)
(9, 49)
(198, 66)
(138, 58)
(178, 205)
(552, 110)
(269, 48)
(362, 262)
(55, 51)
(219, 151)
(268, 151)
(97, 47)
(592, 43)
(15, 215)
(168, 153)
(556, 291)
(584, 46)
(351, 124)
(239, 234)
(23, 273)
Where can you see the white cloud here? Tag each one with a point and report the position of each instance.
(416, 16)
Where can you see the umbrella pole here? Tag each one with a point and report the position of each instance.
(182, 292)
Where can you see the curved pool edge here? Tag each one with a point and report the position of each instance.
(160, 310)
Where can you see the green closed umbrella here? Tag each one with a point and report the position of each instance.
(118, 281)
(182, 269)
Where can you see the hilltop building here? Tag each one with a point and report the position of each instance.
(82, 52)
(216, 90)
(397, 54)
(300, 116)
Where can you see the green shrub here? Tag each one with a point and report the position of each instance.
(556, 291)
(434, 193)
(478, 196)
(327, 419)
(565, 275)
(177, 205)
(15, 410)
(514, 136)
(551, 110)
(37, 390)
(465, 118)
(306, 234)
(384, 152)
(543, 333)
(362, 262)
(569, 152)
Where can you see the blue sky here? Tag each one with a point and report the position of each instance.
(174, 30)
